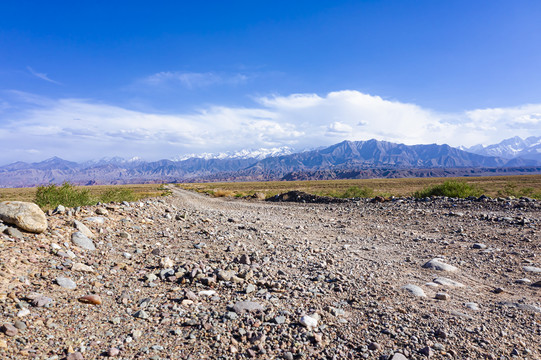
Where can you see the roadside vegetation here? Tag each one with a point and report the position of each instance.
(493, 186)
(69, 195)
(451, 188)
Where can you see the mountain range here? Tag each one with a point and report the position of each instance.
(348, 159)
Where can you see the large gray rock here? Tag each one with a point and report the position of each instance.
(25, 215)
(82, 241)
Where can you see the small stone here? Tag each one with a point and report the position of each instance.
(82, 241)
(498, 290)
(141, 314)
(537, 284)
(101, 211)
(442, 296)
(9, 329)
(447, 282)
(280, 319)
(479, 246)
(95, 219)
(414, 290)
(113, 352)
(532, 269)
(136, 334)
(427, 351)
(250, 288)
(439, 264)
(206, 293)
(399, 356)
(288, 355)
(308, 321)
(247, 306)
(245, 259)
(23, 312)
(14, 233)
(472, 306)
(82, 268)
(75, 356)
(374, 346)
(21, 325)
(66, 283)
(41, 301)
(90, 299)
(82, 228)
(166, 263)
(224, 275)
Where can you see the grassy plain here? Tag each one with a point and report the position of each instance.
(139, 190)
(521, 185)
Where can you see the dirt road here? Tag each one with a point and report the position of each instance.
(189, 276)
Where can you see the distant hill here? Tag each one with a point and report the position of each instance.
(348, 159)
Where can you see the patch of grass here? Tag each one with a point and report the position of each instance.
(451, 188)
(357, 192)
(49, 197)
(512, 189)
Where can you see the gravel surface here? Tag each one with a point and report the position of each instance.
(193, 277)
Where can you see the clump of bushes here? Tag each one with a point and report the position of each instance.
(50, 196)
(452, 188)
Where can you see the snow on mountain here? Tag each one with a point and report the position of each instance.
(258, 154)
(514, 147)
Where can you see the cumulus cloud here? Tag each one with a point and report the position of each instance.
(82, 129)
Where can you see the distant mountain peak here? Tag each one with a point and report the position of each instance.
(258, 154)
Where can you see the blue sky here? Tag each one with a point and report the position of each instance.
(83, 80)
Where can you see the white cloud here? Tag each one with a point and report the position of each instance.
(79, 129)
(41, 76)
(193, 80)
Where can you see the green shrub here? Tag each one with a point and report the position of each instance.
(49, 197)
(452, 188)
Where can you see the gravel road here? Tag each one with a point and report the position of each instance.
(193, 277)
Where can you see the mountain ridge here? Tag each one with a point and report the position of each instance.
(359, 157)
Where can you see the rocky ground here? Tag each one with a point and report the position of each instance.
(193, 277)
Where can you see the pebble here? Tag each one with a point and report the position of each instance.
(66, 283)
(280, 319)
(82, 228)
(23, 312)
(414, 290)
(442, 296)
(247, 306)
(21, 325)
(447, 282)
(439, 264)
(250, 288)
(479, 246)
(523, 281)
(90, 299)
(82, 268)
(308, 321)
(532, 269)
(113, 352)
(141, 314)
(399, 356)
(472, 306)
(9, 329)
(75, 356)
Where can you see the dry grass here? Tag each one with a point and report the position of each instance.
(490, 185)
(141, 191)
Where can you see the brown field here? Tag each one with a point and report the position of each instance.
(28, 194)
(491, 186)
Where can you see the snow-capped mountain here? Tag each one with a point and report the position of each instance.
(515, 147)
(258, 154)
